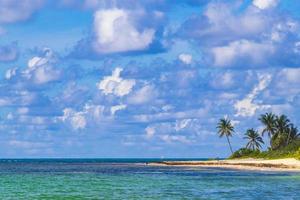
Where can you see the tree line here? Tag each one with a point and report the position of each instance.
(278, 128)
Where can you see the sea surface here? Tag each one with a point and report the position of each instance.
(133, 179)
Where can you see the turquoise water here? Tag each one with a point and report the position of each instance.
(128, 179)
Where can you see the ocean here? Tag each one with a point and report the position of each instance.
(133, 179)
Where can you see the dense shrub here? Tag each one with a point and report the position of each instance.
(290, 151)
(245, 153)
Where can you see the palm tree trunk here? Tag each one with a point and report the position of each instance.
(229, 144)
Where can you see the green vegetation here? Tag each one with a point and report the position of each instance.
(290, 151)
(225, 128)
(284, 138)
(254, 140)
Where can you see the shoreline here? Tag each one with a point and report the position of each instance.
(288, 164)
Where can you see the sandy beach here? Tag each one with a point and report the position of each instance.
(289, 164)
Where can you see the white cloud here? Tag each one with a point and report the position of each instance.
(116, 108)
(290, 75)
(143, 95)
(297, 47)
(282, 30)
(223, 80)
(115, 32)
(5, 102)
(76, 119)
(38, 120)
(150, 131)
(287, 83)
(114, 84)
(185, 58)
(19, 97)
(90, 113)
(173, 131)
(167, 108)
(265, 4)
(166, 131)
(193, 113)
(10, 116)
(227, 96)
(181, 124)
(246, 107)
(40, 69)
(94, 111)
(241, 50)
(243, 25)
(10, 73)
(38, 61)
(175, 138)
(23, 110)
(18, 10)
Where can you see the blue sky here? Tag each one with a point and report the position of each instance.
(125, 78)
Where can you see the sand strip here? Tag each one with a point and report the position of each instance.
(289, 164)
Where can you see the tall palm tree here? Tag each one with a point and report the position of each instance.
(254, 138)
(282, 124)
(293, 134)
(280, 136)
(268, 120)
(225, 128)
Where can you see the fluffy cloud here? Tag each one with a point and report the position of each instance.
(76, 119)
(238, 51)
(19, 98)
(15, 10)
(144, 95)
(115, 32)
(10, 73)
(150, 131)
(40, 69)
(196, 113)
(265, 4)
(90, 115)
(171, 132)
(79, 119)
(185, 58)
(148, 5)
(175, 138)
(181, 124)
(291, 75)
(247, 107)
(114, 84)
(213, 27)
(250, 36)
(116, 108)
(223, 80)
(287, 83)
(167, 101)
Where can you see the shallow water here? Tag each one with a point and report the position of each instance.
(127, 179)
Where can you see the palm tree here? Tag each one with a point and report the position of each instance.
(280, 137)
(268, 120)
(225, 128)
(282, 124)
(254, 138)
(293, 134)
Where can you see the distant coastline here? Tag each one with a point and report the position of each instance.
(288, 164)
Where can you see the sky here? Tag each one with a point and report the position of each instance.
(127, 78)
